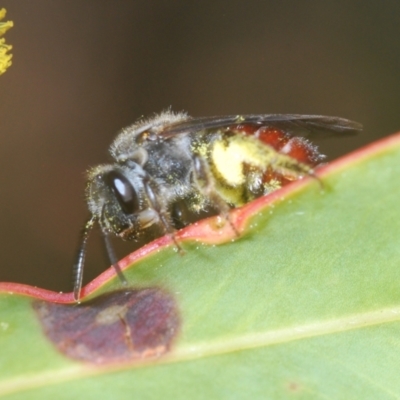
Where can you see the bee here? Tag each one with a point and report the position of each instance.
(171, 169)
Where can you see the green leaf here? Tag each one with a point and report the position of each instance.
(305, 303)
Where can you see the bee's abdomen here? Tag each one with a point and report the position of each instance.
(296, 147)
(246, 167)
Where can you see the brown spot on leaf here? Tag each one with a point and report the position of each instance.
(294, 387)
(115, 327)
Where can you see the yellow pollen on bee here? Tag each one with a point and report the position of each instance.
(228, 158)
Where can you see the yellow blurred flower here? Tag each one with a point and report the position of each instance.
(5, 58)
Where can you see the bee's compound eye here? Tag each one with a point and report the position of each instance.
(123, 190)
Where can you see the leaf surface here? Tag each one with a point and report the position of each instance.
(305, 303)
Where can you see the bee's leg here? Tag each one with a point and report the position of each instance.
(111, 253)
(80, 258)
(293, 170)
(161, 212)
(205, 181)
(314, 176)
(113, 258)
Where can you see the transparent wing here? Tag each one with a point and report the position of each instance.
(287, 122)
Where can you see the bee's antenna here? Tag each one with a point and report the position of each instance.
(80, 257)
(113, 258)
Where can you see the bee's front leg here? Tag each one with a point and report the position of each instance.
(160, 206)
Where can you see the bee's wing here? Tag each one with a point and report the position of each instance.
(287, 122)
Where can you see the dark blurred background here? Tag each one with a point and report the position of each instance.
(82, 70)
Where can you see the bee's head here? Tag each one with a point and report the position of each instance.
(117, 197)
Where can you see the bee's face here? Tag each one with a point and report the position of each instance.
(117, 196)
